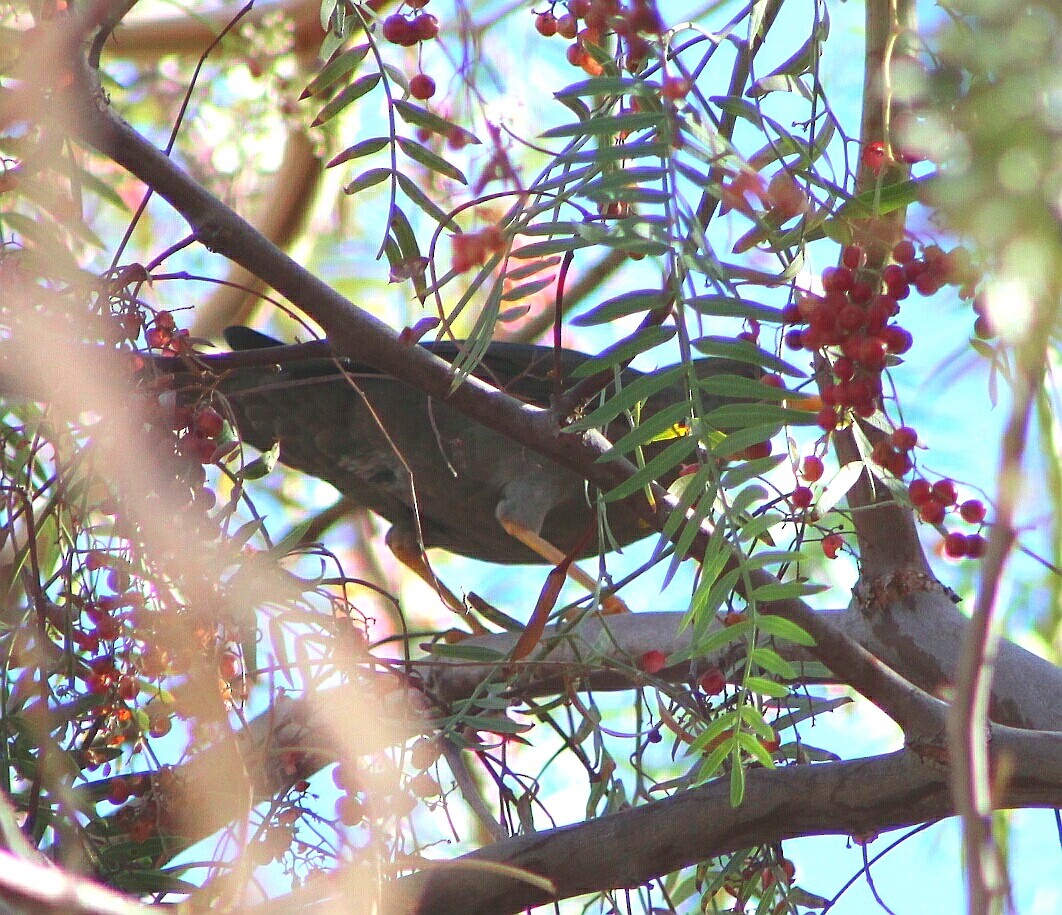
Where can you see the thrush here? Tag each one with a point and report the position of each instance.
(440, 478)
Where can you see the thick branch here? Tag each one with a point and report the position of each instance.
(631, 848)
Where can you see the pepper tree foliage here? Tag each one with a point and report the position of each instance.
(179, 665)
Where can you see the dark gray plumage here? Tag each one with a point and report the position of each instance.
(467, 478)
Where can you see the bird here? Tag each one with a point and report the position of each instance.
(441, 479)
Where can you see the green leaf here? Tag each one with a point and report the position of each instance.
(763, 687)
(430, 160)
(720, 725)
(713, 763)
(607, 124)
(737, 778)
(748, 470)
(364, 148)
(728, 307)
(628, 397)
(726, 634)
(554, 246)
(741, 415)
(411, 189)
(618, 152)
(565, 178)
(737, 387)
(335, 70)
(785, 590)
(561, 227)
(738, 440)
(668, 459)
(753, 529)
(522, 272)
(262, 465)
(773, 663)
(739, 108)
(421, 117)
(346, 96)
(480, 654)
(743, 351)
(783, 629)
(527, 289)
(622, 306)
(624, 351)
(755, 749)
(624, 179)
(602, 85)
(367, 179)
(874, 202)
(648, 430)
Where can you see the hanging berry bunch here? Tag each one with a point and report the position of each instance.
(854, 325)
(408, 30)
(633, 24)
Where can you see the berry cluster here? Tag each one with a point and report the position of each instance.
(854, 322)
(603, 17)
(934, 501)
(407, 31)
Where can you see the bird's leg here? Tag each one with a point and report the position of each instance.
(536, 542)
(407, 550)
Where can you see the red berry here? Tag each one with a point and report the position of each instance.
(920, 492)
(422, 87)
(872, 353)
(425, 27)
(119, 791)
(976, 545)
(982, 328)
(812, 468)
(801, 497)
(826, 419)
(861, 292)
(208, 423)
(575, 55)
(873, 157)
(897, 339)
(904, 438)
(944, 491)
(567, 26)
(932, 511)
(396, 29)
(973, 511)
(546, 24)
(757, 451)
(773, 381)
(903, 252)
(831, 543)
(675, 88)
(852, 256)
(653, 661)
(851, 317)
(837, 279)
(843, 368)
(713, 682)
(927, 284)
(898, 291)
(955, 545)
(794, 339)
(791, 314)
(893, 274)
